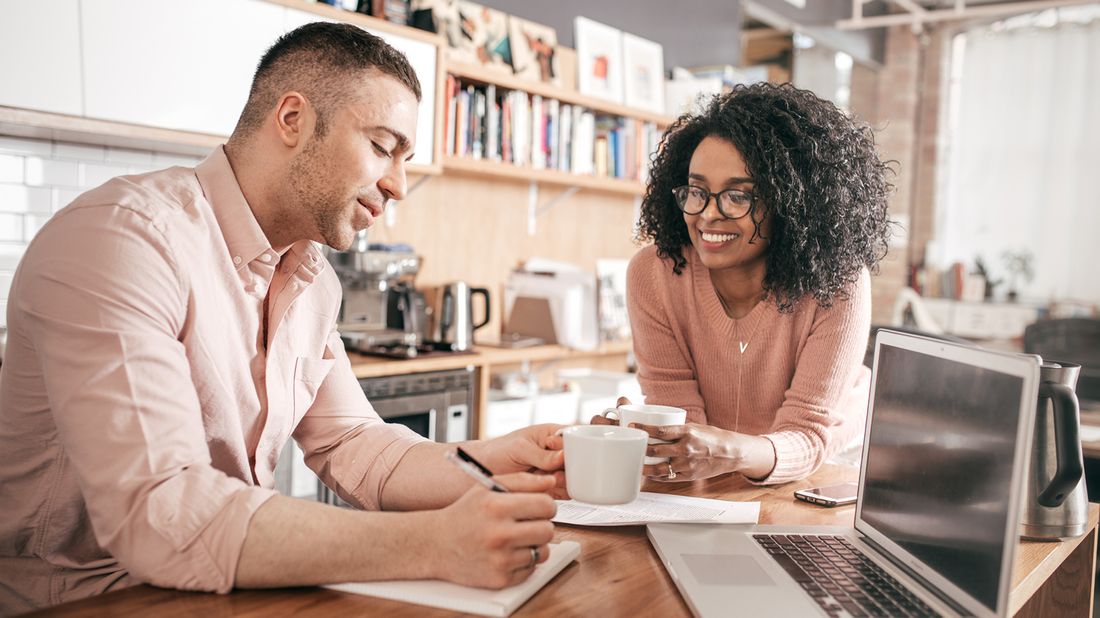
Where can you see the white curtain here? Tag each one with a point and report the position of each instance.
(1023, 169)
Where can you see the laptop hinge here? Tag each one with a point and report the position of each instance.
(924, 583)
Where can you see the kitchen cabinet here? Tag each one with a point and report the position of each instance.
(184, 66)
(40, 45)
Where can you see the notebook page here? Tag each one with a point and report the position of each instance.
(447, 595)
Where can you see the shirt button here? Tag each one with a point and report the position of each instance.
(265, 257)
(236, 259)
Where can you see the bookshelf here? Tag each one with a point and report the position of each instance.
(611, 167)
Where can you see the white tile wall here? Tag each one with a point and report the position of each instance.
(40, 177)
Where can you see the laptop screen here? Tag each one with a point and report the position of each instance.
(939, 464)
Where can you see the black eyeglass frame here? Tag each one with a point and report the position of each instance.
(682, 203)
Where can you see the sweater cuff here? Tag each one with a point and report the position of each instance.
(791, 458)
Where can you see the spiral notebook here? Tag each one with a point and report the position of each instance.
(446, 595)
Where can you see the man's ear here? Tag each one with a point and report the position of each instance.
(293, 118)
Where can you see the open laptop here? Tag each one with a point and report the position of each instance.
(945, 452)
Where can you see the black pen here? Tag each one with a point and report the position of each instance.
(473, 467)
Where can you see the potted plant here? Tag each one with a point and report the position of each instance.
(1018, 264)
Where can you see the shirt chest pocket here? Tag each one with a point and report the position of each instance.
(309, 375)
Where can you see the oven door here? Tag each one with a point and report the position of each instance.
(421, 413)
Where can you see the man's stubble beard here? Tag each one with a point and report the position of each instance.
(313, 192)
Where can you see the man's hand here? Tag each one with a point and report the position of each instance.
(532, 449)
(485, 538)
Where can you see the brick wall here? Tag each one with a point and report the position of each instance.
(906, 112)
(39, 177)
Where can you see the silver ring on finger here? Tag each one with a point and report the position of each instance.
(671, 472)
(535, 555)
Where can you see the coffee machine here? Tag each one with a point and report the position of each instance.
(381, 311)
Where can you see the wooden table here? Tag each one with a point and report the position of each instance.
(619, 574)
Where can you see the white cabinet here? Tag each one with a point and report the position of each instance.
(982, 320)
(40, 56)
(164, 63)
(422, 57)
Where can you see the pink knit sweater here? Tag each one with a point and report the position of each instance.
(799, 381)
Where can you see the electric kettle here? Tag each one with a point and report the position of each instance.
(1056, 501)
(453, 311)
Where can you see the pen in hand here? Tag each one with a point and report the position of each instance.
(474, 469)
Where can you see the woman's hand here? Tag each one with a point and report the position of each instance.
(600, 419)
(701, 451)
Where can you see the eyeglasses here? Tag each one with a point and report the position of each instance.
(732, 203)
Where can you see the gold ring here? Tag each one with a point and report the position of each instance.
(671, 472)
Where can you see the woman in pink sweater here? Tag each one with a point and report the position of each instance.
(752, 308)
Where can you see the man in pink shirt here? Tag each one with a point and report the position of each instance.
(169, 332)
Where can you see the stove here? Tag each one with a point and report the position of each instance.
(406, 350)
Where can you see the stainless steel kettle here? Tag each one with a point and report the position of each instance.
(453, 312)
(1056, 502)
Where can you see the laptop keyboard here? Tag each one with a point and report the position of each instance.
(840, 578)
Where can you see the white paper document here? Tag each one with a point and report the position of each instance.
(651, 508)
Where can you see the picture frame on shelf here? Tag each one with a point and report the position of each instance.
(534, 51)
(643, 73)
(485, 36)
(599, 59)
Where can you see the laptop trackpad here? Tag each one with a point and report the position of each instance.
(727, 570)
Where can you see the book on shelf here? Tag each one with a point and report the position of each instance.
(450, 109)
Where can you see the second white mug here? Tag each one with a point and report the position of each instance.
(647, 414)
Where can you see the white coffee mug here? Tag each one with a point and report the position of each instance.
(603, 463)
(647, 414)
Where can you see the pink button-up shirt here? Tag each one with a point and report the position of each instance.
(141, 414)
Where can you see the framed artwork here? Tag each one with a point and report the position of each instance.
(599, 59)
(643, 74)
(484, 32)
(476, 34)
(533, 51)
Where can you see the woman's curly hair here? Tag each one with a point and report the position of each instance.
(814, 168)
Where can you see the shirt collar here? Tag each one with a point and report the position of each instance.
(244, 238)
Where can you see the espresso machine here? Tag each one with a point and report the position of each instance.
(382, 312)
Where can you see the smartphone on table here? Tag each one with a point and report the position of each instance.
(832, 495)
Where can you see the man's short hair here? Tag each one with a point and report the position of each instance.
(321, 60)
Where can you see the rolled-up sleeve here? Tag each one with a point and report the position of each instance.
(106, 318)
(345, 442)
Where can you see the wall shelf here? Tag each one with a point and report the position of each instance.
(503, 80)
(495, 169)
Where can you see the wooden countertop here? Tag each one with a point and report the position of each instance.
(370, 366)
(619, 574)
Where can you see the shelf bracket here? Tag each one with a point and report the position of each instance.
(534, 210)
(390, 215)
